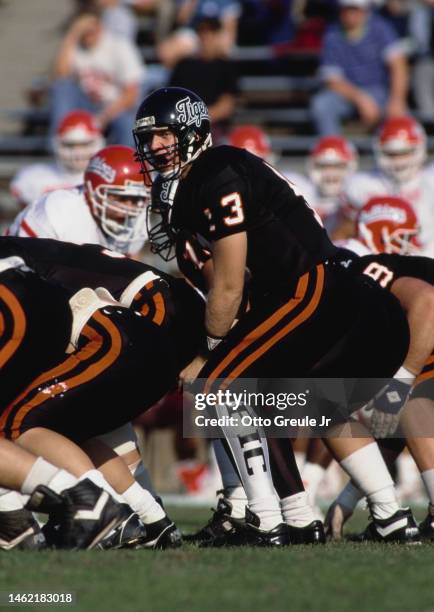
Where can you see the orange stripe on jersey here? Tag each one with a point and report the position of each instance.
(19, 324)
(145, 309)
(2, 325)
(298, 320)
(29, 231)
(160, 308)
(262, 329)
(89, 374)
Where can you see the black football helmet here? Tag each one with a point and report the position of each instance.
(182, 112)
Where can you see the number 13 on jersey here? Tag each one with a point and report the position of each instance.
(234, 206)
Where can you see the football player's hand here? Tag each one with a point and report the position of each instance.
(190, 372)
(337, 516)
(386, 408)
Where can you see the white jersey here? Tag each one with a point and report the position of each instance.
(326, 207)
(352, 244)
(64, 215)
(31, 182)
(362, 186)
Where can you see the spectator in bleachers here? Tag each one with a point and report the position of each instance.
(184, 41)
(117, 15)
(364, 70)
(98, 71)
(264, 22)
(421, 31)
(210, 74)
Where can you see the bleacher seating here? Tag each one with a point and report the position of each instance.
(275, 86)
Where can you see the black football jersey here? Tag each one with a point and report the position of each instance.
(387, 268)
(228, 190)
(76, 266)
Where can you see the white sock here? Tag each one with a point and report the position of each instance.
(142, 502)
(44, 473)
(238, 498)
(349, 497)
(297, 510)
(368, 471)
(265, 508)
(97, 478)
(250, 453)
(142, 476)
(300, 460)
(428, 481)
(312, 476)
(230, 478)
(11, 500)
(61, 481)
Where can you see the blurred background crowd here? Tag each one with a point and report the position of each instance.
(279, 77)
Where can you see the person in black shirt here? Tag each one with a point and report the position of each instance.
(210, 73)
(309, 315)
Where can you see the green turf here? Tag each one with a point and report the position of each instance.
(338, 577)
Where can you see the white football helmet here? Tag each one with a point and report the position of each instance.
(329, 163)
(400, 148)
(77, 138)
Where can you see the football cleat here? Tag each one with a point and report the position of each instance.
(220, 529)
(161, 534)
(84, 517)
(249, 533)
(128, 534)
(20, 530)
(310, 534)
(426, 527)
(400, 528)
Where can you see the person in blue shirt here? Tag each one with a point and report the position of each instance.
(364, 70)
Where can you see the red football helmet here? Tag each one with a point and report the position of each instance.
(330, 161)
(78, 137)
(251, 138)
(400, 148)
(388, 224)
(117, 195)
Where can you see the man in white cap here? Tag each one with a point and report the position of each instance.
(363, 68)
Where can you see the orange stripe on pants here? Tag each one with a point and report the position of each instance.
(19, 325)
(89, 374)
(268, 324)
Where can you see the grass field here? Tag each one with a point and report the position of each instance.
(338, 577)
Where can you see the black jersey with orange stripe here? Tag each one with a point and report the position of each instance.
(228, 190)
(386, 268)
(167, 300)
(76, 266)
(35, 328)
